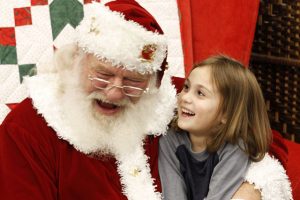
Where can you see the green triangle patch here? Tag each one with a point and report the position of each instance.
(27, 70)
(63, 12)
(8, 54)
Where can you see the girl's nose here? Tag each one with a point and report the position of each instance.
(185, 97)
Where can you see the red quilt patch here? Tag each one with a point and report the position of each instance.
(7, 36)
(22, 16)
(90, 1)
(39, 2)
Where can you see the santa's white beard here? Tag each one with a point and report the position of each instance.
(119, 133)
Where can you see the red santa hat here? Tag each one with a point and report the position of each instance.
(125, 34)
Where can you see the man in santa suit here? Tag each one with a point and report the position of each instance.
(89, 129)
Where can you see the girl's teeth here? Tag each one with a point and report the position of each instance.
(188, 112)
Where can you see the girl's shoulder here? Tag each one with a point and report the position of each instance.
(174, 138)
(232, 150)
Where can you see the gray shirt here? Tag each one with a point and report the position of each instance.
(228, 174)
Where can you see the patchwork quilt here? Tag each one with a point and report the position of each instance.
(31, 30)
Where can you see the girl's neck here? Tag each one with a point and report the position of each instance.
(198, 142)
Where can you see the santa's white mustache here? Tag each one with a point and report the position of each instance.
(99, 96)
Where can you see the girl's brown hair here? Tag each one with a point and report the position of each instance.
(243, 106)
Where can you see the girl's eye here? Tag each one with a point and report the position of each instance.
(185, 87)
(200, 93)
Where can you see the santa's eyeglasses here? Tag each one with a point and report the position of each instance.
(130, 91)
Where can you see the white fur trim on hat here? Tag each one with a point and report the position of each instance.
(108, 35)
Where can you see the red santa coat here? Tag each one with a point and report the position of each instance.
(36, 164)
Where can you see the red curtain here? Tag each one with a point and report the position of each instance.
(209, 27)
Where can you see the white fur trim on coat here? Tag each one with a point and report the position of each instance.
(108, 35)
(135, 176)
(270, 178)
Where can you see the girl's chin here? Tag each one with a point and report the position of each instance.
(182, 125)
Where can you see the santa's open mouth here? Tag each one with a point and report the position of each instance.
(107, 108)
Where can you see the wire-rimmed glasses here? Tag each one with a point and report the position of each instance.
(130, 91)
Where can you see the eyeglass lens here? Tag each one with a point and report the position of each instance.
(128, 90)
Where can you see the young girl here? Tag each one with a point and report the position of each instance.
(221, 127)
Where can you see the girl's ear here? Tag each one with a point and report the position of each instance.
(223, 120)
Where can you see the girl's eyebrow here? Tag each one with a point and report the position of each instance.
(205, 88)
(201, 86)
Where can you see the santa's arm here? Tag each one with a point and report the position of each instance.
(267, 178)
